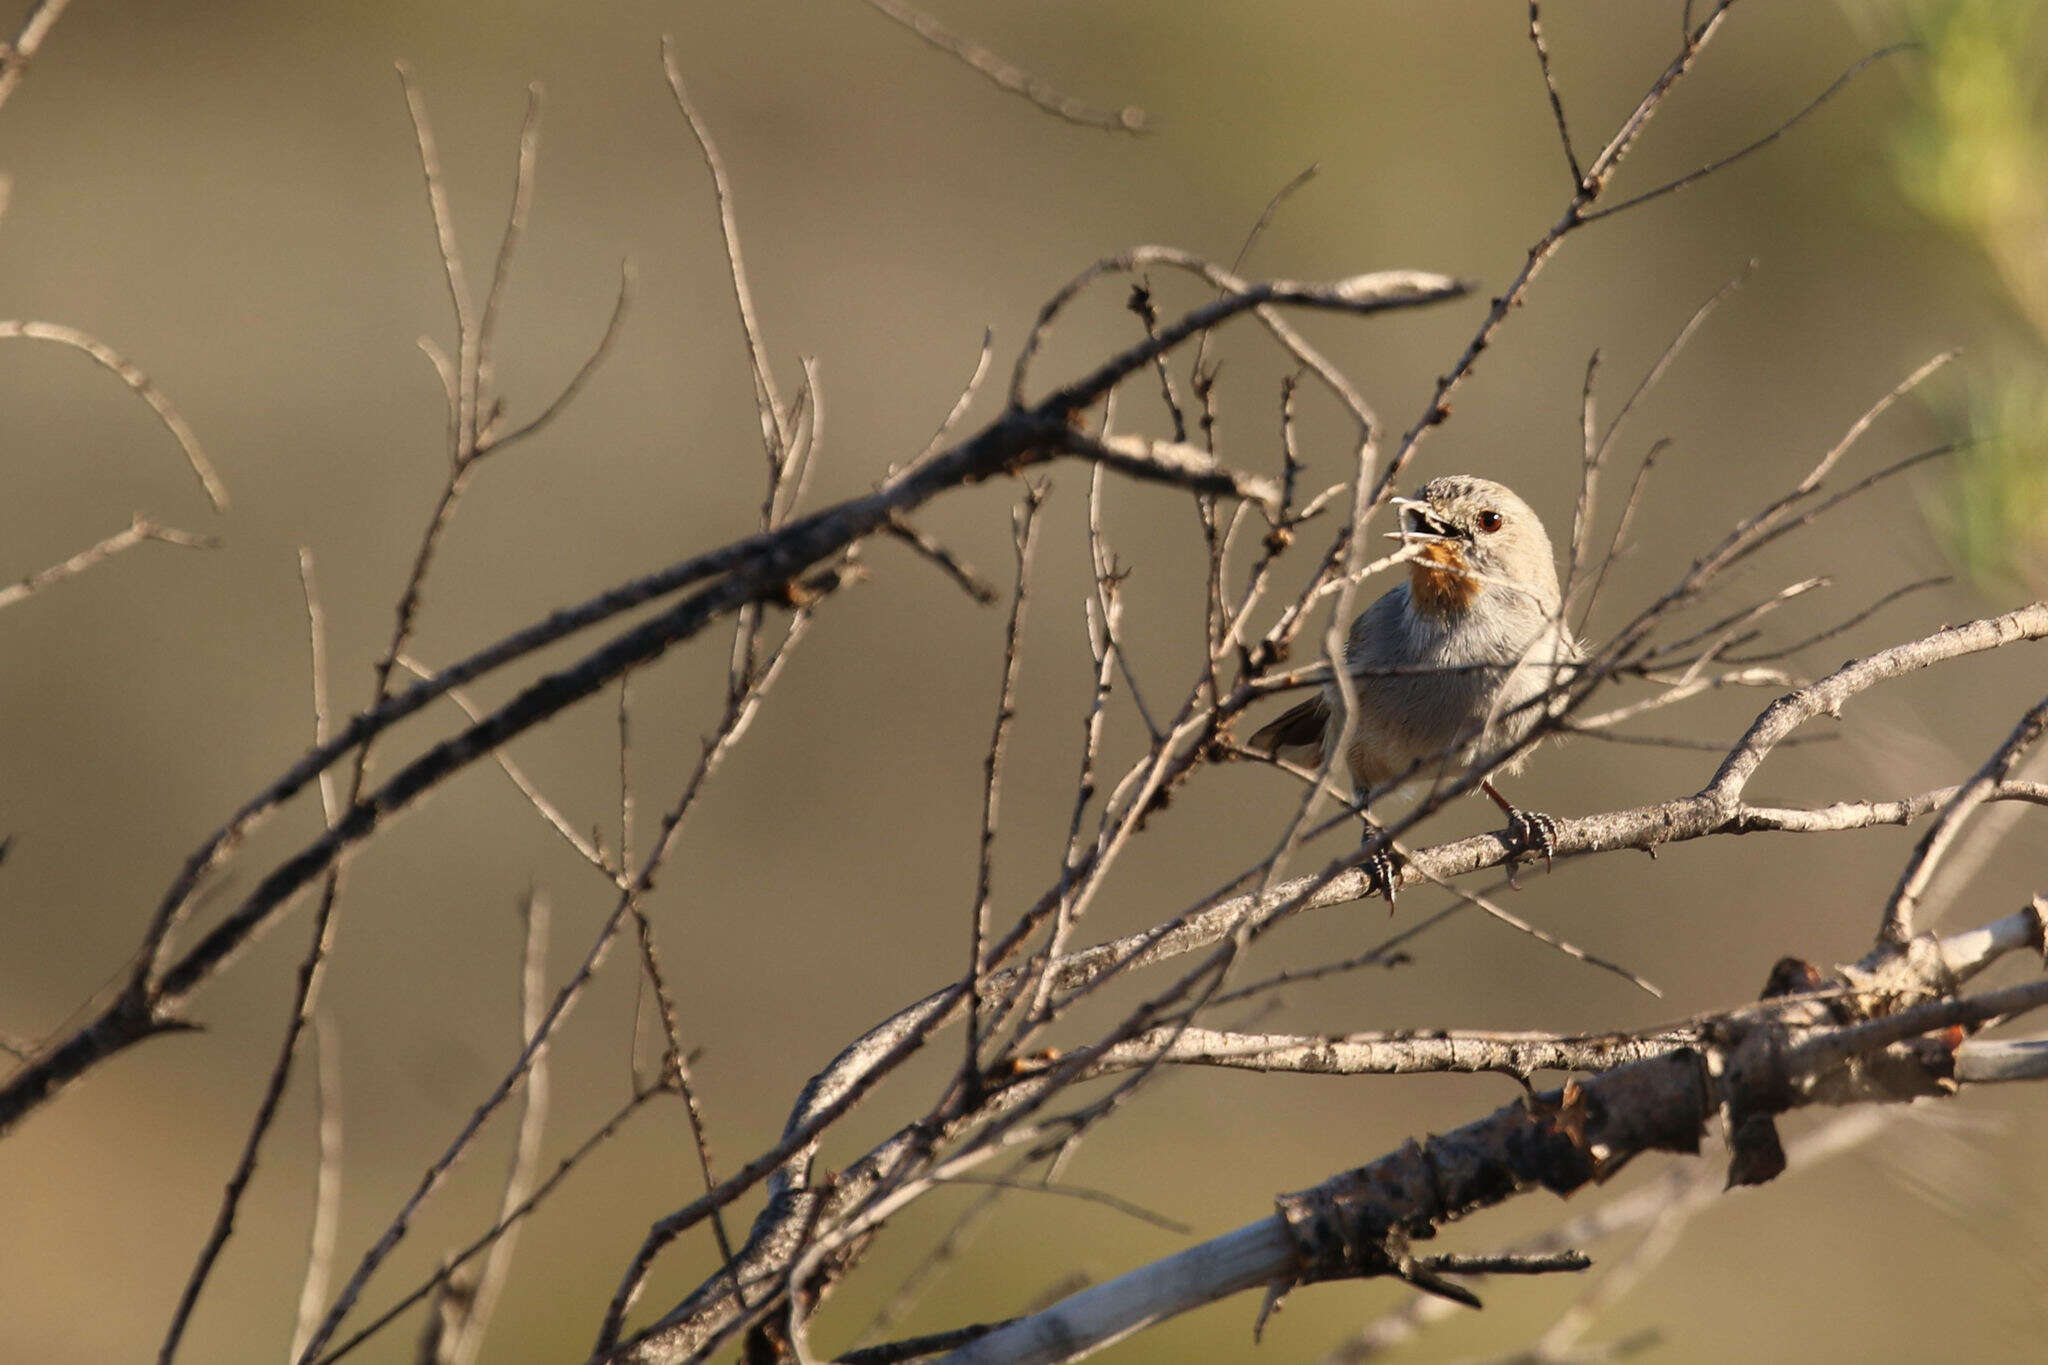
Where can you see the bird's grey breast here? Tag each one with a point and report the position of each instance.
(1429, 685)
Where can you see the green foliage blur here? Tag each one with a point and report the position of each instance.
(1973, 159)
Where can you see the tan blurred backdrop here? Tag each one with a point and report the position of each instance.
(228, 193)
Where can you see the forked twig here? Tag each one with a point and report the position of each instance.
(1719, 163)
(137, 532)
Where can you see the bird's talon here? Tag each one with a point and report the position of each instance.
(1383, 877)
(1382, 871)
(1531, 831)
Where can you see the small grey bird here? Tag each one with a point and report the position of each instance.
(1449, 665)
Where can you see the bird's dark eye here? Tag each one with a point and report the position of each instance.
(1489, 521)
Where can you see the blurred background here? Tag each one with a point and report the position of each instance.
(228, 193)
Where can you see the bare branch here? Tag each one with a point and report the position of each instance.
(917, 1348)
(1618, 542)
(453, 1264)
(519, 1176)
(2021, 1059)
(1360, 1222)
(1679, 1186)
(1564, 134)
(739, 718)
(546, 809)
(305, 1000)
(515, 229)
(1863, 423)
(467, 398)
(1905, 898)
(760, 568)
(1842, 627)
(1025, 534)
(1008, 76)
(950, 564)
(1888, 1027)
(1093, 1196)
(1717, 808)
(28, 40)
(1397, 1053)
(774, 421)
(492, 445)
(1790, 712)
(136, 533)
(1550, 940)
(1591, 452)
(1693, 177)
(982, 359)
(1591, 185)
(1167, 462)
(320, 1242)
(123, 369)
(1251, 236)
(1362, 293)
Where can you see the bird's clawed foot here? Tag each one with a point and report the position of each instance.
(1531, 831)
(1382, 867)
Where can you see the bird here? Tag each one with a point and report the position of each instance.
(1450, 665)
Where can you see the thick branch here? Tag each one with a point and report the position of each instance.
(1362, 1222)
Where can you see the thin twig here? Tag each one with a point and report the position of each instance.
(982, 359)
(566, 997)
(1897, 926)
(1592, 184)
(1564, 134)
(1590, 453)
(596, 357)
(28, 40)
(585, 848)
(325, 1233)
(136, 533)
(1008, 76)
(955, 568)
(533, 1116)
(466, 397)
(1842, 627)
(1093, 1196)
(126, 371)
(1571, 950)
(1024, 533)
(1619, 541)
(604, 1133)
(501, 271)
(1693, 177)
(305, 999)
(774, 421)
(942, 1254)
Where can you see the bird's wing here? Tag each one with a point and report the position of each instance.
(1301, 728)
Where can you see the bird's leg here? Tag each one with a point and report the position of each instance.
(1530, 831)
(1382, 868)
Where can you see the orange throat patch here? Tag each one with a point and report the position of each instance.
(1439, 581)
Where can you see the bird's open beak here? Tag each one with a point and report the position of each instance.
(1419, 522)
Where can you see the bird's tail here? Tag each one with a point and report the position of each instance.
(1296, 734)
